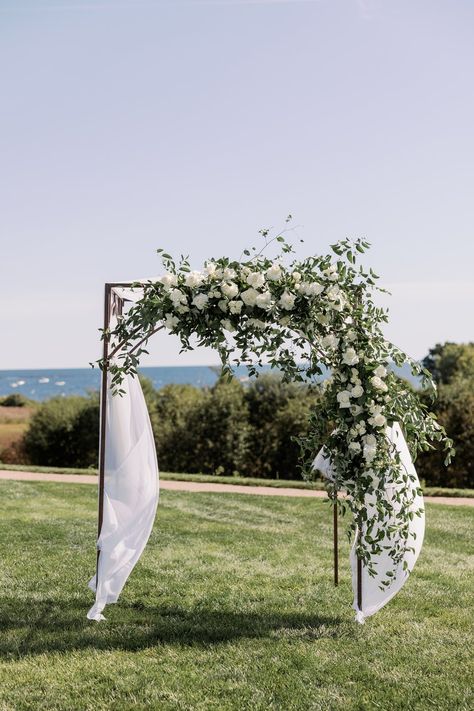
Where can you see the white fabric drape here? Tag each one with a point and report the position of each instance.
(130, 492)
(373, 598)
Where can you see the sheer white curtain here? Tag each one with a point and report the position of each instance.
(131, 491)
(373, 598)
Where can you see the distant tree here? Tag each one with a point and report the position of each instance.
(449, 361)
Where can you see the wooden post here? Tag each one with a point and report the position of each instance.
(359, 583)
(103, 416)
(335, 543)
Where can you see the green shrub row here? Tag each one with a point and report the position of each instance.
(229, 429)
(241, 429)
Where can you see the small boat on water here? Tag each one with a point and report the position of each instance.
(43, 380)
(20, 382)
(60, 382)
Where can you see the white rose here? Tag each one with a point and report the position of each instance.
(171, 321)
(296, 276)
(334, 293)
(311, 288)
(225, 323)
(229, 274)
(249, 297)
(354, 447)
(344, 398)
(351, 335)
(177, 297)
(369, 452)
(264, 301)
(255, 279)
(331, 272)
(182, 308)
(230, 290)
(356, 410)
(210, 269)
(274, 272)
(350, 357)
(380, 371)
(222, 304)
(330, 341)
(378, 420)
(168, 280)
(370, 439)
(287, 300)
(194, 279)
(378, 383)
(357, 391)
(200, 301)
(235, 307)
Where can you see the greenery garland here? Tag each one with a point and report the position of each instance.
(301, 317)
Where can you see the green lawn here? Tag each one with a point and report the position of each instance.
(231, 607)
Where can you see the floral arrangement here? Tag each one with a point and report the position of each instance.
(301, 317)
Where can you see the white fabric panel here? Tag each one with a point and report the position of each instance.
(373, 599)
(130, 492)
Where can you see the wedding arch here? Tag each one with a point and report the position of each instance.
(300, 317)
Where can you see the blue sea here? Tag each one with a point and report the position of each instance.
(44, 384)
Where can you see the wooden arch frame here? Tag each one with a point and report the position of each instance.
(114, 304)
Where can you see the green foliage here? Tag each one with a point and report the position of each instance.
(454, 409)
(278, 413)
(450, 361)
(301, 316)
(64, 432)
(15, 400)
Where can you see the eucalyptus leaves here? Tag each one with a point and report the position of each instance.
(301, 316)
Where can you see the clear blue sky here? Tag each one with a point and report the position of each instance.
(126, 126)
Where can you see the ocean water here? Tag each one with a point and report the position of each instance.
(44, 384)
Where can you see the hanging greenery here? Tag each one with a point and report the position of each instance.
(302, 317)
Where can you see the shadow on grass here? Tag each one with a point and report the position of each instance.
(32, 627)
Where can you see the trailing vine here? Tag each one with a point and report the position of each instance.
(303, 317)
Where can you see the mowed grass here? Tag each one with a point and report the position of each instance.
(231, 607)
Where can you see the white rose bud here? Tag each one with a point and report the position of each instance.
(380, 371)
(171, 321)
(287, 300)
(378, 383)
(296, 276)
(210, 269)
(274, 273)
(225, 323)
(354, 447)
(357, 391)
